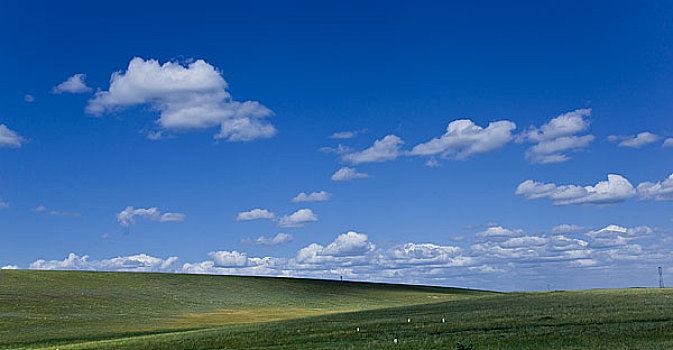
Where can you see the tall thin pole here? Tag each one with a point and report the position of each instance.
(661, 278)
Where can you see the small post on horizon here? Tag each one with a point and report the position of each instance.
(661, 277)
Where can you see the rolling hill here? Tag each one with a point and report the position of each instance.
(58, 307)
(102, 310)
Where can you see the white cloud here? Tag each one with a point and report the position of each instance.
(299, 218)
(273, 241)
(10, 138)
(557, 137)
(312, 197)
(388, 148)
(425, 254)
(127, 216)
(140, 262)
(3, 205)
(345, 134)
(565, 124)
(29, 98)
(74, 85)
(550, 151)
(635, 141)
(615, 189)
(505, 260)
(497, 232)
(610, 230)
(567, 228)
(668, 142)
(229, 258)
(614, 235)
(464, 138)
(347, 174)
(432, 162)
(340, 149)
(9, 267)
(43, 209)
(345, 247)
(191, 97)
(532, 249)
(349, 244)
(255, 214)
(658, 191)
(524, 241)
(238, 264)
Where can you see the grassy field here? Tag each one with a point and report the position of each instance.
(79, 310)
(39, 308)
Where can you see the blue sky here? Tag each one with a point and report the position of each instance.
(219, 109)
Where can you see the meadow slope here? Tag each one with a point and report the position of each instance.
(598, 319)
(48, 308)
(169, 312)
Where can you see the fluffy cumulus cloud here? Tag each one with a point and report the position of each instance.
(348, 174)
(554, 139)
(531, 249)
(255, 214)
(385, 149)
(604, 248)
(464, 138)
(425, 255)
(312, 197)
(74, 85)
(10, 138)
(188, 97)
(140, 262)
(9, 267)
(229, 258)
(656, 191)
(299, 218)
(668, 142)
(615, 189)
(344, 249)
(127, 217)
(280, 238)
(635, 141)
(499, 257)
(348, 244)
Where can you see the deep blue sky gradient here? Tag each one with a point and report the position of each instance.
(406, 68)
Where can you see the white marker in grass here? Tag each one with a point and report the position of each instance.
(395, 340)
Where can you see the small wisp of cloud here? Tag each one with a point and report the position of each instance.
(255, 214)
(298, 219)
(127, 217)
(270, 242)
(312, 197)
(348, 174)
(74, 85)
(635, 141)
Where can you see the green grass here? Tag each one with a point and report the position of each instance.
(594, 319)
(39, 308)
